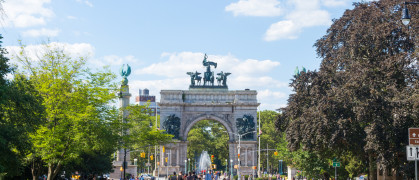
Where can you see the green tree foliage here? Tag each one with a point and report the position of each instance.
(77, 112)
(269, 139)
(363, 99)
(141, 134)
(20, 114)
(210, 136)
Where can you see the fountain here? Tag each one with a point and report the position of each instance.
(204, 162)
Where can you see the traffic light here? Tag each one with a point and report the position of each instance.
(151, 157)
(276, 153)
(142, 154)
(165, 159)
(212, 158)
(163, 149)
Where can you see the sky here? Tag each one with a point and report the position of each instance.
(260, 42)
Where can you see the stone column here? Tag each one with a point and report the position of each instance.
(124, 96)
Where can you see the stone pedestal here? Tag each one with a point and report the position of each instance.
(117, 174)
(291, 172)
(124, 96)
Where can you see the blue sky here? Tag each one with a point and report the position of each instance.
(259, 41)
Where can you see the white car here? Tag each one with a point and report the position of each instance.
(147, 176)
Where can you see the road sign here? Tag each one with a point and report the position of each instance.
(336, 164)
(414, 136)
(412, 153)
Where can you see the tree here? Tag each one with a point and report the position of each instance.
(141, 134)
(20, 114)
(210, 136)
(365, 95)
(76, 102)
(270, 138)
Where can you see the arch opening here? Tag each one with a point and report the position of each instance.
(211, 136)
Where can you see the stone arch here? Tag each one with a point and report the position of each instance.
(188, 126)
(194, 105)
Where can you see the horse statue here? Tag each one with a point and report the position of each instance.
(198, 78)
(208, 75)
(192, 77)
(222, 77)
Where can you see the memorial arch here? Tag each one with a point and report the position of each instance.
(236, 110)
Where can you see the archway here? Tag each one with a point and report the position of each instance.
(181, 109)
(208, 140)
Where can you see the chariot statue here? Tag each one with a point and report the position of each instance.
(208, 75)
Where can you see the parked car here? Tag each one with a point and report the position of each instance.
(148, 176)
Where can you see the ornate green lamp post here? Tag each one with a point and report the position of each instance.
(231, 168)
(226, 167)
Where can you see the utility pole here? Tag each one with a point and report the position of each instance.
(155, 147)
(259, 145)
(267, 159)
(267, 155)
(148, 159)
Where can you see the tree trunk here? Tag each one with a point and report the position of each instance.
(53, 170)
(372, 169)
(36, 168)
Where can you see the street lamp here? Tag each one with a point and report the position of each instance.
(226, 167)
(406, 16)
(121, 169)
(280, 167)
(231, 168)
(186, 165)
(238, 147)
(189, 164)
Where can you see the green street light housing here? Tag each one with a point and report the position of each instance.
(405, 16)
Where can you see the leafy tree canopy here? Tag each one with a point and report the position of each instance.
(77, 114)
(365, 95)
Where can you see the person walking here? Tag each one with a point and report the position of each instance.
(190, 177)
(208, 176)
(180, 177)
(194, 175)
(174, 177)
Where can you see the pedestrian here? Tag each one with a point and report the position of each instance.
(190, 177)
(194, 175)
(208, 176)
(180, 177)
(174, 177)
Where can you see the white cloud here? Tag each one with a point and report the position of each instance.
(334, 3)
(27, 13)
(85, 2)
(176, 66)
(71, 17)
(113, 60)
(179, 63)
(298, 15)
(306, 14)
(34, 52)
(255, 8)
(41, 32)
(268, 94)
(282, 30)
